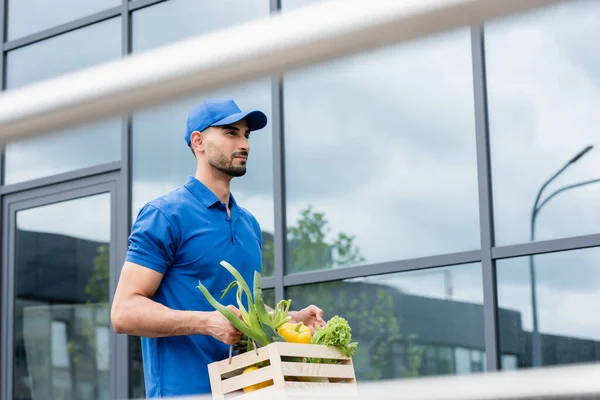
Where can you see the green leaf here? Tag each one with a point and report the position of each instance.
(241, 307)
(239, 278)
(231, 285)
(231, 317)
(250, 317)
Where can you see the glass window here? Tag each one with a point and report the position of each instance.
(544, 95)
(64, 53)
(380, 156)
(61, 316)
(26, 17)
(175, 20)
(76, 147)
(565, 285)
(422, 315)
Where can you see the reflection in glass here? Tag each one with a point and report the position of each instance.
(536, 130)
(61, 320)
(64, 53)
(380, 156)
(175, 20)
(407, 324)
(26, 17)
(76, 147)
(566, 298)
(269, 297)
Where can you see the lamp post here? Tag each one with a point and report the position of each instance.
(536, 344)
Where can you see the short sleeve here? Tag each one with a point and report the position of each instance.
(152, 242)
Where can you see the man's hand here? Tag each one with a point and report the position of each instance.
(221, 329)
(311, 316)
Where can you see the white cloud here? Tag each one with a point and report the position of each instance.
(558, 117)
(85, 218)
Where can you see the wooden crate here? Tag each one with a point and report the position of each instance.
(227, 380)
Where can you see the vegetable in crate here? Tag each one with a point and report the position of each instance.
(257, 325)
(336, 333)
(295, 333)
(257, 386)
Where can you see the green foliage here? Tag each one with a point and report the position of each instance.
(268, 258)
(97, 286)
(82, 344)
(310, 249)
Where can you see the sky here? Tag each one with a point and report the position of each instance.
(384, 144)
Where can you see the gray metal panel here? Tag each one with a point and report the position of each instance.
(4, 313)
(4, 261)
(382, 268)
(125, 29)
(3, 7)
(61, 178)
(280, 237)
(546, 246)
(486, 212)
(267, 282)
(64, 28)
(9, 306)
(120, 370)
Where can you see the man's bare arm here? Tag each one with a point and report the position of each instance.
(134, 313)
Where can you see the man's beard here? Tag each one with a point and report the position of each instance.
(226, 166)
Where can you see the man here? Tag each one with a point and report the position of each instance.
(179, 239)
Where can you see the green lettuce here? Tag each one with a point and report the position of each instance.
(336, 333)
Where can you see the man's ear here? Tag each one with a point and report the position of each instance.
(197, 141)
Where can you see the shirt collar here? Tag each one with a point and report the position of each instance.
(204, 194)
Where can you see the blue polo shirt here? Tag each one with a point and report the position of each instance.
(184, 235)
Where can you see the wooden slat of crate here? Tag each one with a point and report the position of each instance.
(250, 378)
(317, 370)
(308, 350)
(226, 377)
(242, 360)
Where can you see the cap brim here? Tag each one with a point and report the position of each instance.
(255, 119)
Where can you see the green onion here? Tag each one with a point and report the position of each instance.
(256, 323)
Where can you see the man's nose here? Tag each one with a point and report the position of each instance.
(245, 145)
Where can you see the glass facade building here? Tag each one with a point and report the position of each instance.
(438, 194)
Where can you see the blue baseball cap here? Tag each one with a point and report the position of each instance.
(219, 112)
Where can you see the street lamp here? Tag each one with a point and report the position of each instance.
(536, 344)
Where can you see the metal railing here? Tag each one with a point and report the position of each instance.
(264, 47)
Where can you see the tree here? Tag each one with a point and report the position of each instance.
(308, 247)
(97, 286)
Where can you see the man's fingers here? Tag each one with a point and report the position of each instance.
(235, 311)
(318, 313)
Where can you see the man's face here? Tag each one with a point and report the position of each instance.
(227, 148)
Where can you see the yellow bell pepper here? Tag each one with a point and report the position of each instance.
(295, 333)
(257, 386)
